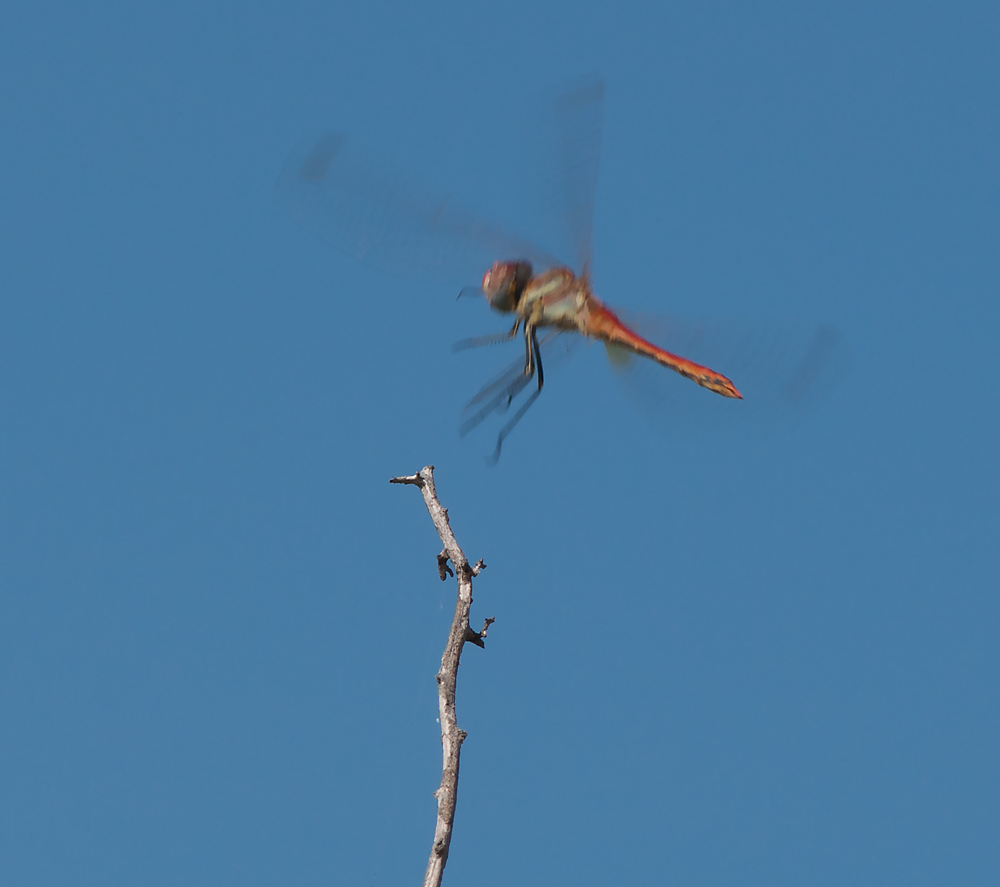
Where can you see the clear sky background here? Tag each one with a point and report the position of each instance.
(718, 659)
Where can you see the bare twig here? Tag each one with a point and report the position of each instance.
(451, 736)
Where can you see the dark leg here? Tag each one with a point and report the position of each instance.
(533, 365)
(538, 357)
(529, 351)
(509, 427)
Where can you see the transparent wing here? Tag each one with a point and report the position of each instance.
(783, 369)
(335, 188)
(498, 395)
(578, 116)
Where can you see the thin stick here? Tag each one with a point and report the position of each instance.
(447, 678)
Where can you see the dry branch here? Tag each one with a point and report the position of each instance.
(447, 678)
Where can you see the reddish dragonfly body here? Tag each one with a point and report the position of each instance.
(381, 217)
(561, 299)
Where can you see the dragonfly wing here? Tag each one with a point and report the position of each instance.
(336, 188)
(496, 396)
(579, 119)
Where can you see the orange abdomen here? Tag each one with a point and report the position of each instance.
(603, 323)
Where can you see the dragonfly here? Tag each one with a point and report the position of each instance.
(562, 300)
(337, 189)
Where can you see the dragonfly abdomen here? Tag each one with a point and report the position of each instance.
(600, 322)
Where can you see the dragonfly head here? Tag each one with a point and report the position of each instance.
(504, 283)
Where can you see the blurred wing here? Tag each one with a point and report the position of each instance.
(497, 395)
(334, 188)
(578, 114)
(783, 369)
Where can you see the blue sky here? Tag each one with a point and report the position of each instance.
(718, 659)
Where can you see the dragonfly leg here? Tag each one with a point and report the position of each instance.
(529, 352)
(530, 348)
(533, 364)
(538, 357)
(509, 427)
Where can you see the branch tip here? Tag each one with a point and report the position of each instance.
(414, 479)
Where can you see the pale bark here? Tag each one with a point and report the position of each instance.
(451, 736)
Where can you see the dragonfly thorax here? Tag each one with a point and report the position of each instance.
(504, 283)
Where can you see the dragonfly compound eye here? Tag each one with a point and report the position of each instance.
(504, 283)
